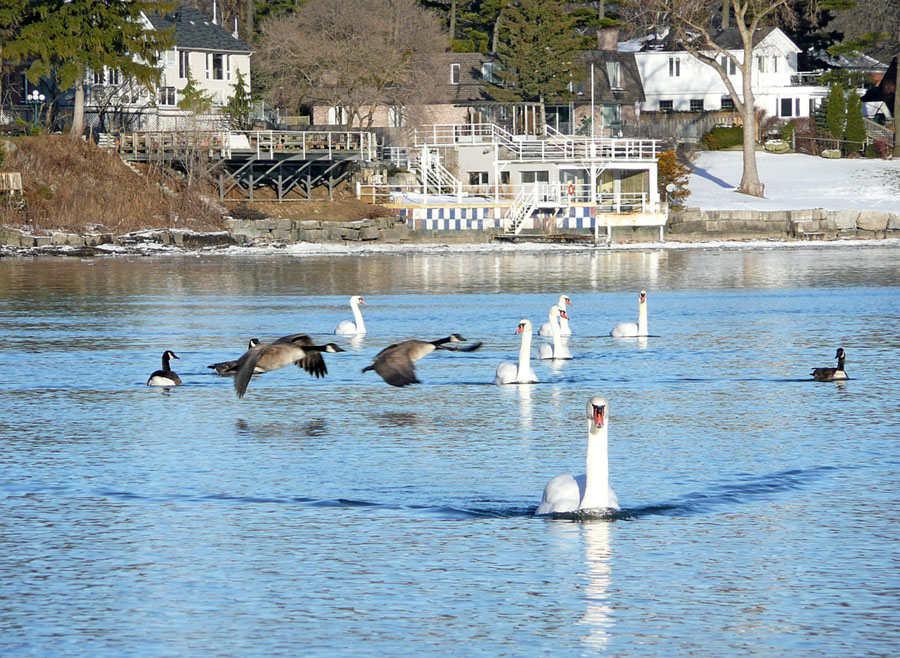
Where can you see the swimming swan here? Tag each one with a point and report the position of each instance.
(558, 350)
(564, 330)
(165, 377)
(396, 363)
(832, 374)
(630, 329)
(348, 328)
(296, 348)
(521, 372)
(230, 367)
(590, 491)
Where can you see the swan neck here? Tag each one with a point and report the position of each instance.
(525, 352)
(557, 342)
(357, 317)
(642, 319)
(596, 486)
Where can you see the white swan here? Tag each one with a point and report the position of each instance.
(521, 372)
(348, 328)
(564, 330)
(590, 491)
(558, 350)
(631, 329)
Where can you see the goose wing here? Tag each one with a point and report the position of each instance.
(295, 339)
(224, 368)
(395, 363)
(313, 363)
(244, 369)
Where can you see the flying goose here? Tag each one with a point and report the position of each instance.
(230, 367)
(166, 376)
(832, 374)
(356, 326)
(396, 363)
(296, 348)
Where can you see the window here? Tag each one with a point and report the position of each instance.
(610, 115)
(535, 176)
(478, 178)
(207, 66)
(761, 64)
(99, 78)
(796, 107)
(454, 74)
(674, 67)
(614, 71)
(774, 65)
(396, 116)
(696, 105)
(167, 95)
(228, 67)
(727, 103)
(218, 68)
(786, 106)
(728, 65)
(337, 116)
(504, 178)
(489, 72)
(183, 67)
(665, 106)
(112, 77)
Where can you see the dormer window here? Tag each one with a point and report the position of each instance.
(614, 71)
(454, 74)
(489, 72)
(674, 67)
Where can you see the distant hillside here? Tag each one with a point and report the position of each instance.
(76, 186)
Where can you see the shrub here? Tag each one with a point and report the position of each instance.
(883, 148)
(723, 138)
(672, 171)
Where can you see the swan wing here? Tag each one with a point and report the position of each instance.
(545, 330)
(545, 351)
(506, 373)
(562, 494)
(624, 329)
(345, 327)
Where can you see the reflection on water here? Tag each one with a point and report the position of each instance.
(597, 618)
(340, 515)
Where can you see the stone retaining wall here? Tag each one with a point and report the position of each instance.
(697, 225)
(179, 238)
(386, 229)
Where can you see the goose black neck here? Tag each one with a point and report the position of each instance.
(840, 365)
(165, 362)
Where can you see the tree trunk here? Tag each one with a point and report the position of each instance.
(78, 112)
(495, 36)
(452, 19)
(750, 183)
(543, 118)
(726, 13)
(249, 10)
(601, 12)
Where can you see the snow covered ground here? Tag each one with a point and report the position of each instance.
(796, 182)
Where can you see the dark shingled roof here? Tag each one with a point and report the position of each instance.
(194, 30)
(470, 88)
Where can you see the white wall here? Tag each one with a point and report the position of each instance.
(201, 68)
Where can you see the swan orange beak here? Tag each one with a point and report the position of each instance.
(520, 329)
(568, 303)
(362, 301)
(599, 416)
(562, 314)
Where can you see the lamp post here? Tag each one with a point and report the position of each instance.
(37, 99)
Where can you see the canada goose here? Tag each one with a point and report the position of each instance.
(832, 374)
(546, 329)
(633, 329)
(165, 377)
(395, 363)
(356, 326)
(590, 491)
(230, 367)
(296, 348)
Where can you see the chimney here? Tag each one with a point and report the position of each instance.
(608, 39)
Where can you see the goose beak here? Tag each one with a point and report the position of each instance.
(599, 413)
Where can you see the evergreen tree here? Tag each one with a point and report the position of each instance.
(836, 112)
(193, 99)
(82, 35)
(239, 103)
(538, 54)
(855, 130)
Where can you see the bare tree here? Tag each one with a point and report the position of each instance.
(356, 55)
(692, 27)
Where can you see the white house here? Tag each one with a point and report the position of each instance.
(675, 80)
(209, 52)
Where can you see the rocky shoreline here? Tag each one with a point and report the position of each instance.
(688, 226)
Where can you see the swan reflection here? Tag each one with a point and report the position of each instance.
(524, 391)
(597, 618)
(358, 341)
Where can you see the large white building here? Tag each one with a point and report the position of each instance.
(676, 81)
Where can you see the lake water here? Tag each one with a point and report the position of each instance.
(342, 516)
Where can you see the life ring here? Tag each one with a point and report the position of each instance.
(571, 189)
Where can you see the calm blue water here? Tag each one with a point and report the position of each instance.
(346, 517)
